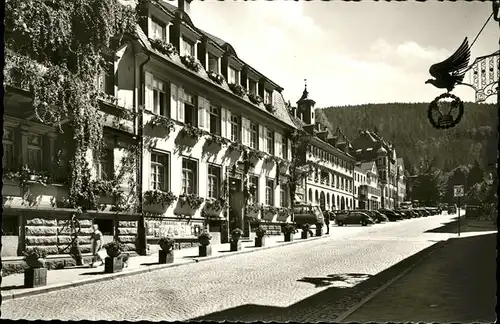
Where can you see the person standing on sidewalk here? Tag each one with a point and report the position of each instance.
(96, 237)
(327, 221)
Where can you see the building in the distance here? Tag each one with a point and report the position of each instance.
(360, 188)
(371, 147)
(370, 188)
(331, 183)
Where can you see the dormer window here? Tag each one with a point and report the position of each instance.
(268, 97)
(213, 63)
(252, 86)
(158, 29)
(187, 47)
(234, 75)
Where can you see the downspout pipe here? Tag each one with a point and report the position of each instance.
(142, 244)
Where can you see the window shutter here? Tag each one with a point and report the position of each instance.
(245, 131)
(180, 105)
(148, 91)
(289, 150)
(228, 123)
(223, 117)
(262, 140)
(201, 112)
(277, 145)
(173, 100)
(207, 115)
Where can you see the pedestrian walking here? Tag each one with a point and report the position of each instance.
(96, 237)
(327, 222)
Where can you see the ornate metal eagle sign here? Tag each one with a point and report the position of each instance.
(447, 74)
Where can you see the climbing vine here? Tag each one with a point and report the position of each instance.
(56, 50)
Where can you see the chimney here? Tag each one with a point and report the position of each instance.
(184, 5)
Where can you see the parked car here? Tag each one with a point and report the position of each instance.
(306, 213)
(390, 214)
(353, 217)
(452, 209)
(472, 211)
(400, 213)
(378, 216)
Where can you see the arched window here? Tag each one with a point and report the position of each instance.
(316, 196)
(310, 195)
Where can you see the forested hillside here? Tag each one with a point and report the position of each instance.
(406, 125)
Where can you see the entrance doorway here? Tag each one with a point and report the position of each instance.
(236, 201)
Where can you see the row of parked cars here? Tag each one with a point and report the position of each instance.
(365, 217)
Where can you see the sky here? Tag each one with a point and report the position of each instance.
(350, 53)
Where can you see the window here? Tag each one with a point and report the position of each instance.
(213, 63)
(252, 86)
(270, 141)
(160, 106)
(284, 195)
(8, 160)
(10, 225)
(35, 152)
(106, 226)
(189, 176)
(254, 136)
(268, 97)
(254, 189)
(213, 181)
(190, 108)
(106, 79)
(104, 167)
(159, 29)
(159, 171)
(269, 192)
(234, 76)
(214, 120)
(187, 47)
(337, 182)
(284, 147)
(235, 128)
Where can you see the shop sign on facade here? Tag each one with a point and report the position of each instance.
(176, 229)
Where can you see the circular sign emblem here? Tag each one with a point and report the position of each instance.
(443, 113)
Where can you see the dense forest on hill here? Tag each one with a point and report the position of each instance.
(474, 139)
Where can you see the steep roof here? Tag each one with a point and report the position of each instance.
(367, 166)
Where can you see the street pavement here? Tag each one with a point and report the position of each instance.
(277, 284)
(455, 284)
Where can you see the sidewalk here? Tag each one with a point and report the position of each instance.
(13, 285)
(456, 283)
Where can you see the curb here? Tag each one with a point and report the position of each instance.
(381, 289)
(112, 276)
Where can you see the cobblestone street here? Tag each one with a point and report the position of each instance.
(275, 278)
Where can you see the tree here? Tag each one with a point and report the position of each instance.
(475, 175)
(428, 185)
(299, 168)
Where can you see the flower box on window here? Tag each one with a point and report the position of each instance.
(157, 201)
(237, 89)
(162, 121)
(253, 210)
(216, 140)
(270, 108)
(191, 62)
(163, 46)
(214, 207)
(215, 77)
(284, 213)
(269, 212)
(255, 98)
(191, 134)
(253, 156)
(188, 204)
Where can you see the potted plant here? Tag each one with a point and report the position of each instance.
(237, 89)
(166, 254)
(260, 239)
(214, 207)
(36, 274)
(113, 263)
(205, 249)
(163, 46)
(305, 231)
(284, 213)
(235, 239)
(162, 121)
(253, 210)
(191, 62)
(289, 230)
(255, 98)
(191, 134)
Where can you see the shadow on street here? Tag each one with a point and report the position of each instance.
(466, 225)
(326, 305)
